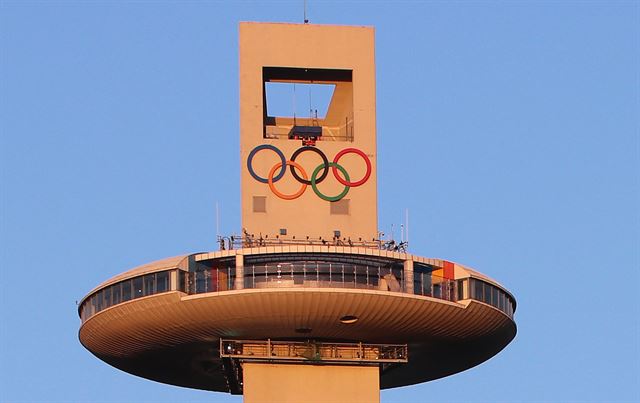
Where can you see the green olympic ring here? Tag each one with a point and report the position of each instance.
(315, 187)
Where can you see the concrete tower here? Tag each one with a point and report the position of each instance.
(307, 303)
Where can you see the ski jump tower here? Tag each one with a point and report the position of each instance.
(307, 303)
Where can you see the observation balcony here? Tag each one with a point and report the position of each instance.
(206, 273)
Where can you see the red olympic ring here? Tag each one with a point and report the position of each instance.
(280, 194)
(346, 182)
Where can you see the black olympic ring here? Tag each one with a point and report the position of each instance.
(325, 163)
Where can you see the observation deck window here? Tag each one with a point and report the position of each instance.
(106, 297)
(492, 295)
(116, 293)
(124, 291)
(296, 270)
(137, 287)
(162, 281)
(148, 284)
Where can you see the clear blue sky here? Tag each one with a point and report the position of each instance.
(516, 124)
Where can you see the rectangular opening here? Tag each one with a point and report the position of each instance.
(307, 104)
(302, 100)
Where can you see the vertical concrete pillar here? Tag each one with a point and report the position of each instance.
(466, 292)
(290, 383)
(173, 280)
(408, 276)
(239, 272)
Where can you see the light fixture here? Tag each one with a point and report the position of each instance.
(349, 319)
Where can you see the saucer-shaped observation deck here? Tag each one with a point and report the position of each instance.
(164, 320)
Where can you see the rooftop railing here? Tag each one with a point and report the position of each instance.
(252, 241)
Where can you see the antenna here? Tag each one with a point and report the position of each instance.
(217, 220)
(306, 21)
(294, 104)
(406, 223)
(310, 107)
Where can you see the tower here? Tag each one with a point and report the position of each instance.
(307, 295)
(342, 142)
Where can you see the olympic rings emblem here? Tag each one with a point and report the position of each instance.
(316, 177)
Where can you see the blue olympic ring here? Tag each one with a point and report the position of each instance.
(275, 150)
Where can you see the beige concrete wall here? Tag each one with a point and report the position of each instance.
(286, 383)
(308, 46)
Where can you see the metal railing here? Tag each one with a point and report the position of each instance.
(342, 132)
(251, 241)
(323, 274)
(270, 350)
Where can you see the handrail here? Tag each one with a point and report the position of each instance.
(311, 350)
(251, 241)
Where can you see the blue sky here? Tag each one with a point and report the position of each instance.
(515, 123)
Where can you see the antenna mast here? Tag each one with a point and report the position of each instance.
(306, 21)
(406, 225)
(294, 104)
(217, 220)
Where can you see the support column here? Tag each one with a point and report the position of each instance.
(239, 285)
(291, 383)
(408, 276)
(173, 280)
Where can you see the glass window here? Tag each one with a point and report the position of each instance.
(149, 281)
(452, 290)
(336, 272)
(116, 294)
(398, 273)
(126, 290)
(427, 284)
(182, 284)
(87, 309)
(98, 301)
(249, 277)
(231, 279)
(478, 290)
(162, 281)
(417, 284)
(215, 277)
(106, 298)
(349, 273)
(201, 281)
(137, 287)
(461, 289)
(373, 276)
(362, 277)
(487, 293)
(437, 291)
